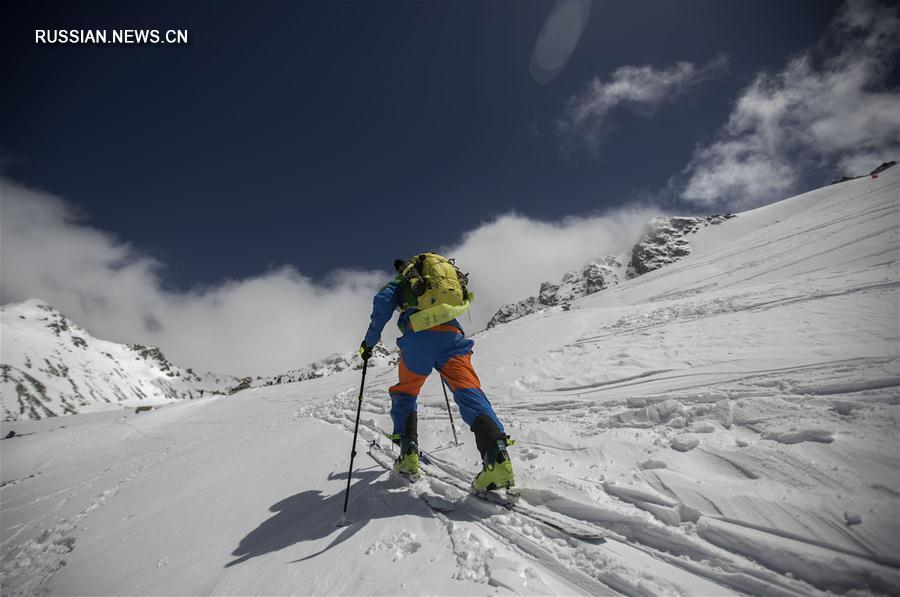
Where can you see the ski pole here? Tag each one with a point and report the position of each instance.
(449, 412)
(343, 521)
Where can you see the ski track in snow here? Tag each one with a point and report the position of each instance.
(729, 421)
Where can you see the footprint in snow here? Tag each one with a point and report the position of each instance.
(400, 546)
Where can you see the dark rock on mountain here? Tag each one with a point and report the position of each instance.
(513, 311)
(592, 277)
(664, 242)
(884, 166)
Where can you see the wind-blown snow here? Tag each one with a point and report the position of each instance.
(730, 420)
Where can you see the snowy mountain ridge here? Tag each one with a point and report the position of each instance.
(594, 276)
(663, 242)
(330, 365)
(53, 367)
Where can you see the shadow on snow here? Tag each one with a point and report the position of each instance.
(310, 515)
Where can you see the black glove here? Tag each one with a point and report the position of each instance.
(364, 351)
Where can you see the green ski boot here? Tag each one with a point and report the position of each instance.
(408, 461)
(497, 472)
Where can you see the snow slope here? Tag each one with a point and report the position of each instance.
(729, 420)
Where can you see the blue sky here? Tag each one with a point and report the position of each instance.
(339, 127)
(289, 142)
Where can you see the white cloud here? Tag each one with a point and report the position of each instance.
(275, 321)
(265, 324)
(827, 109)
(508, 258)
(641, 89)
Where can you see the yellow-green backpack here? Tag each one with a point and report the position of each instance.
(440, 289)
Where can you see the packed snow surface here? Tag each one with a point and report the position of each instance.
(729, 421)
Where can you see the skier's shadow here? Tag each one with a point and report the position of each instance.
(310, 515)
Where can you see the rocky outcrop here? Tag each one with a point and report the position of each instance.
(884, 166)
(514, 311)
(874, 173)
(592, 277)
(664, 242)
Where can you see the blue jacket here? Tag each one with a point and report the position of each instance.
(385, 302)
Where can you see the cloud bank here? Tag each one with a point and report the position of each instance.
(640, 89)
(508, 258)
(829, 109)
(277, 320)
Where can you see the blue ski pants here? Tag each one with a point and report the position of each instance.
(445, 348)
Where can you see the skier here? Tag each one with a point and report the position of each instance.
(443, 347)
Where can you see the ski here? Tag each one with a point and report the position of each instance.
(508, 501)
(435, 502)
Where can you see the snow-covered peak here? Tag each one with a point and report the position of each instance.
(50, 366)
(40, 314)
